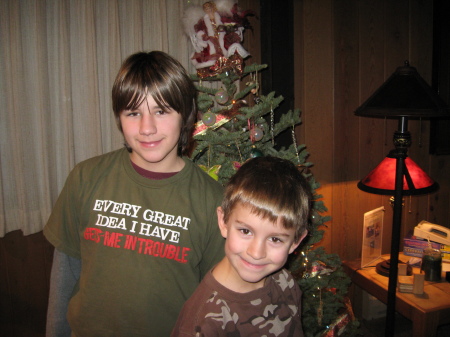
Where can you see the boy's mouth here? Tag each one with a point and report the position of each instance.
(150, 144)
(253, 265)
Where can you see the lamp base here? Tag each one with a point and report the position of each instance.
(383, 267)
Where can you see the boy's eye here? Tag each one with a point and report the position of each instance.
(276, 240)
(244, 231)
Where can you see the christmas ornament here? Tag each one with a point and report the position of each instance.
(213, 172)
(318, 268)
(200, 127)
(256, 134)
(236, 165)
(338, 327)
(216, 32)
(221, 96)
(253, 81)
(300, 167)
(254, 152)
(233, 63)
(209, 118)
(320, 309)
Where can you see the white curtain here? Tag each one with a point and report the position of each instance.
(58, 60)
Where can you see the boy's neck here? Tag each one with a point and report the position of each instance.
(227, 276)
(152, 175)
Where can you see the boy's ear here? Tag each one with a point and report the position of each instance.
(296, 243)
(222, 225)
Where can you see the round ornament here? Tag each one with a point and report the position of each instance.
(221, 96)
(209, 118)
(314, 217)
(254, 152)
(256, 134)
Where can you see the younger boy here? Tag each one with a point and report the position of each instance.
(264, 215)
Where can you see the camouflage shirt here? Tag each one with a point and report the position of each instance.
(213, 310)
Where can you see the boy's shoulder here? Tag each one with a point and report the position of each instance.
(97, 167)
(103, 159)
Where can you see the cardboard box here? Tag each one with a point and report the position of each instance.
(414, 247)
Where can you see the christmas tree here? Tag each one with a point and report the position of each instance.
(231, 131)
(236, 123)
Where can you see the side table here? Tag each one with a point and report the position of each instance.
(426, 311)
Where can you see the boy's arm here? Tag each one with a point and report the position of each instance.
(64, 276)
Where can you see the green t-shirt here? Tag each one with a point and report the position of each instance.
(144, 244)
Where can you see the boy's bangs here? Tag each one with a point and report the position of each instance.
(267, 207)
(262, 207)
(134, 99)
(166, 94)
(138, 94)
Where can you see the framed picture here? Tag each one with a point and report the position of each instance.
(372, 236)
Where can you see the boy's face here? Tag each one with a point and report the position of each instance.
(153, 134)
(255, 247)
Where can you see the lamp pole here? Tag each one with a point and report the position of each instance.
(402, 140)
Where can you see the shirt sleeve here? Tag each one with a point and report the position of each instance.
(63, 279)
(214, 251)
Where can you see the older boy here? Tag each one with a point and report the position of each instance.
(141, 219)
(264, 216)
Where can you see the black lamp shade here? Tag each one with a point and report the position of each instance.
(404, 94)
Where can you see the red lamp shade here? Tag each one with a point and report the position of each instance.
(382, 179)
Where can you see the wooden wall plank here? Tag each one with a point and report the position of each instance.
(374, 133)
(346, 226)
(318, 95)
(420, 56)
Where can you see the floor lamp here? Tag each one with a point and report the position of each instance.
(404, 95)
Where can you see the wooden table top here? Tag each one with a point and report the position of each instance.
(436, 295)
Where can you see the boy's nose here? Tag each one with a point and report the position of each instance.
(147, 126)
(257, 250)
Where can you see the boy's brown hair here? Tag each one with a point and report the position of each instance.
(273, 188)
(165, 79)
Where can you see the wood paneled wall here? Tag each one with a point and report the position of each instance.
(345, 50)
